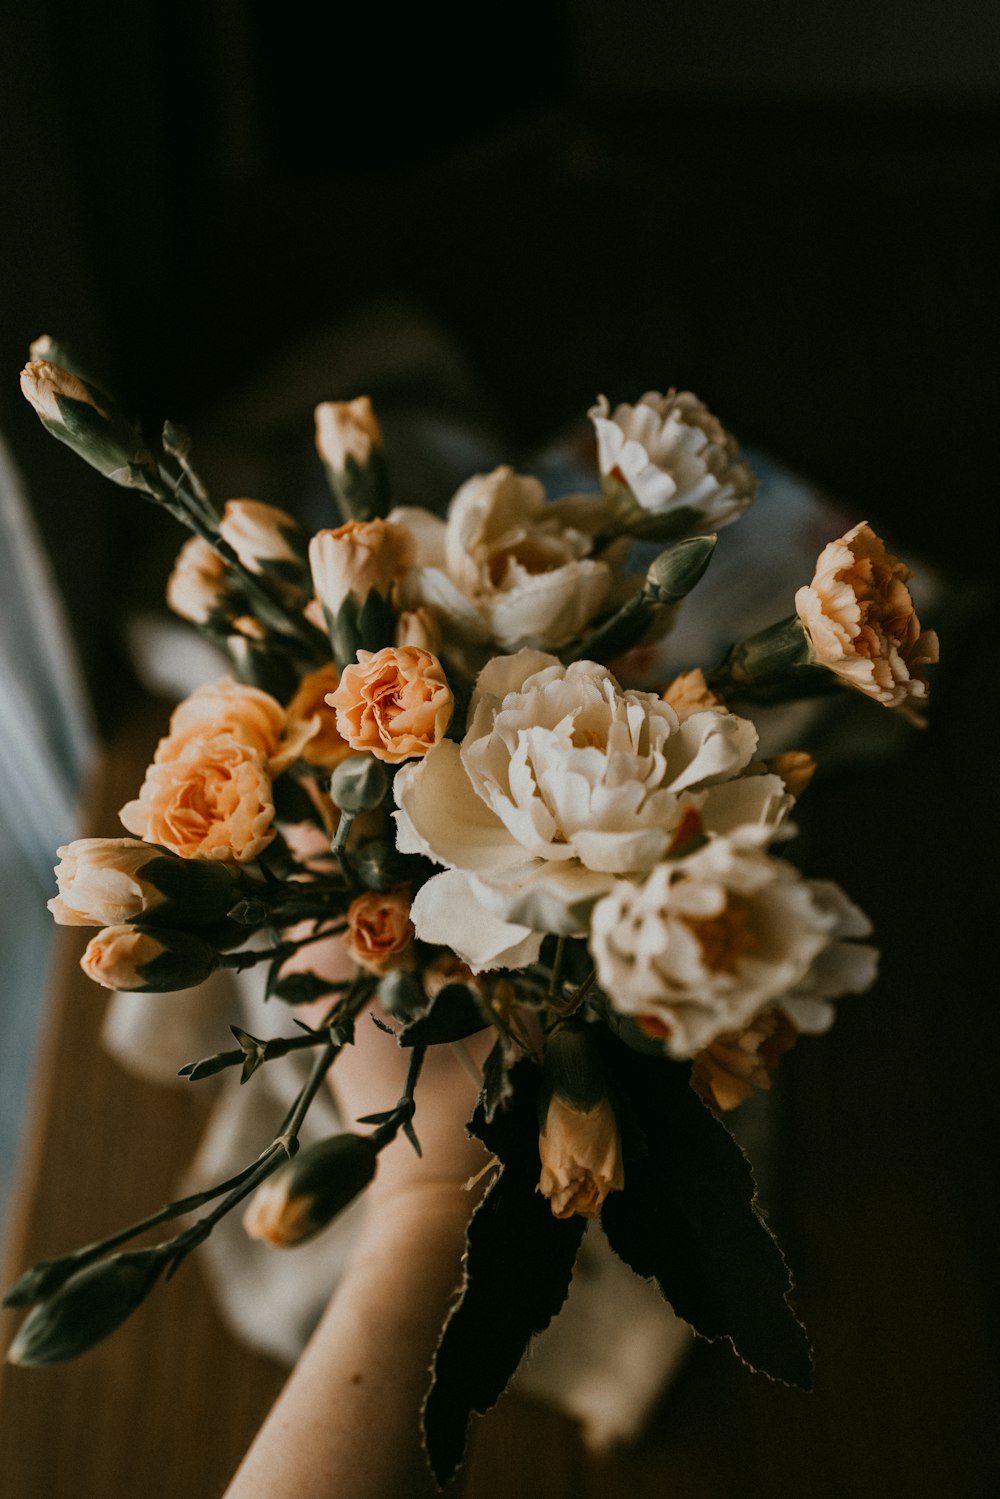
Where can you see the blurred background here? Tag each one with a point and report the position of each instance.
(485, 217)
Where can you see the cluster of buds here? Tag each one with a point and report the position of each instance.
(145, 899)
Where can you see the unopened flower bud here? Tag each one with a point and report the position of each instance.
(354, 568)
(349, 441)
(306, 1194)
(110, 881)
(419, 627)
(198, 587)
(81, 416)
(377, 864)
(359, 784)
(401, 995)
(86, 1308)
(579, 1145)
(675, 571)
(265, 539)
(146, 962)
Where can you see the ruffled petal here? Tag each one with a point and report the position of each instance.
(441, 816)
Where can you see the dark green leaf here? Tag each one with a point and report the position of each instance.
(687, 1218)
(453, 1015)
(518, 1267)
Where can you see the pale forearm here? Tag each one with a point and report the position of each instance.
(346, 1425)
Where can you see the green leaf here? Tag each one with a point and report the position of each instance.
(687, 1218)
(518, 1267)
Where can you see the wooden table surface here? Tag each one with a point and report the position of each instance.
(887, 1172)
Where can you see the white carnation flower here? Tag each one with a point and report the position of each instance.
(675, 457)
(705, 942)
(507, 568)
(562, 784)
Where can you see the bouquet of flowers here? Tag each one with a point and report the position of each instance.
(429, 751)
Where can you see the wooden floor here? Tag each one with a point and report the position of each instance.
(887, 1188)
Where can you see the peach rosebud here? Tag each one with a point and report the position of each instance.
(581, 1157)
(44, 384)
(261, 534)
(139, 961)
(728, 1071)
(396, 703)
(251, 716)
(357, 558)
(379, 929)
(579, 1144)
(309, 709)
(861, 624)
(197, 587)
(306, 1194)
(346, 430)
(79, 415)
(213, 801)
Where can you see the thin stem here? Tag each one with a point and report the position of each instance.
(249, 957)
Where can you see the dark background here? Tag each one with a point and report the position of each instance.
(790, 209)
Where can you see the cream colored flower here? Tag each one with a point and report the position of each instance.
(394, 704)
(379, 929)
(707, 941)
(508, 569)
(197, 586)
(861, 623)
(562, 783)
(346, 430)
(356, 558)
(581, 1157)
(675, 458)
(260, 533)
(310, 715)
(737, 1064)
(212, 801)
(100, 882)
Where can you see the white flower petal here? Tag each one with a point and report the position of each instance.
(441, 816)
(446, 913)
(545, 897)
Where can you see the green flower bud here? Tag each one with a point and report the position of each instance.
(377, 864)
(88, 1306)
(676, 571)
(359, 784)
(306, 1194)
(572, 1066)
(81, 416)
(401, 995)
(143, 961)
(349, 442)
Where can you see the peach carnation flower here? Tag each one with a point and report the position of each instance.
(395, 703)
(251, 716)
(379, 929)
(197, 586)
(116, 956)
(729, 1070)
(861, 623)
(356, 558)
(211, 801)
